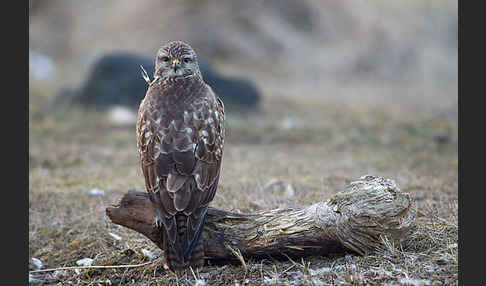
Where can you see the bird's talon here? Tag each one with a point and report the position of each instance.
(157, 222)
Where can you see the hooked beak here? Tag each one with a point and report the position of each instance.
(176, 63)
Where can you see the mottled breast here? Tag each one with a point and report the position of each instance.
(183, 119)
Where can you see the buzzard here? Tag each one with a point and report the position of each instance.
(180, 138)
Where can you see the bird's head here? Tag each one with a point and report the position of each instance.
(176, 59)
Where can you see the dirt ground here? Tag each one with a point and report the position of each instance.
(316, 144)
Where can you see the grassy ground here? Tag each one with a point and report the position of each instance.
(316, 145)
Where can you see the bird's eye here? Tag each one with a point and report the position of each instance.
(187, 60)
(164, 59)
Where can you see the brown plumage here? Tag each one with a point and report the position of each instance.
(180, 138)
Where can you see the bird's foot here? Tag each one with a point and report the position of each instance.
(157, 222)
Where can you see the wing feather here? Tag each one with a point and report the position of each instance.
(175, 182)
(182, 198)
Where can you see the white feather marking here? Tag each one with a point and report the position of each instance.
(186, 116)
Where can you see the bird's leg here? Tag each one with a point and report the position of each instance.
(157, 221)
(155, 199)
(158, 216)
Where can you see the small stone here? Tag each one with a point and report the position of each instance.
(96, 192)
(37, 262)
(148, 254)
(85, 262)
(115, 236)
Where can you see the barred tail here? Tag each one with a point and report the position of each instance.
(181, 256)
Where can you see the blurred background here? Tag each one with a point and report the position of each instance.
(385, 51)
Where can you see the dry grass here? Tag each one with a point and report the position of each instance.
(317, 146)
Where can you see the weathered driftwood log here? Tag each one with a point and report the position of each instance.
(353, 220)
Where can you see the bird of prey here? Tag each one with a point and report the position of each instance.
(180, 139)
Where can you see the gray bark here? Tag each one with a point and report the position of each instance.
(358, 219)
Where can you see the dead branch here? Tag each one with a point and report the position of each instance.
(357, 219)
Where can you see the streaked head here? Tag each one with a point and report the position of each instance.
(176, 59)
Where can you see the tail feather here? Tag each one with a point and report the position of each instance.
(196, 260)
(197, 235)
(186, 252)
(176, 264)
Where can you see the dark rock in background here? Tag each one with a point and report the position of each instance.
(233, 91)
(115, 80)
